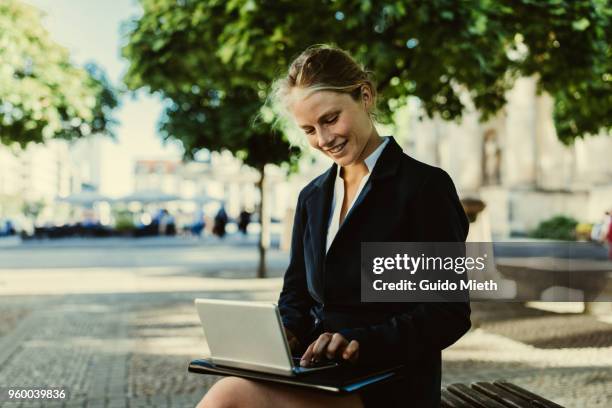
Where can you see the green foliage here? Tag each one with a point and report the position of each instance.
(124, 225)
(124, 220)
(226, 120)
(432, 49)
(42, 94)
(558, 227)
(176, 50)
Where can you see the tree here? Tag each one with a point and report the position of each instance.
(215, 109)
(201, 53)
(230, 120)
(42, 94)
(429, 49)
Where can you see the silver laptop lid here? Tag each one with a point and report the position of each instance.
(245, 335)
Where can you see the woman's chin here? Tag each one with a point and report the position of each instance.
(343, 160)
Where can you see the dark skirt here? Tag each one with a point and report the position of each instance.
(382, 396)
(412, 390)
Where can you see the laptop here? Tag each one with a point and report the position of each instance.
(250, 336)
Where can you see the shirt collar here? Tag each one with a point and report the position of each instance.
(371, 160)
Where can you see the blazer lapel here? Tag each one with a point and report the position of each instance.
(386, 166)
(318, 207)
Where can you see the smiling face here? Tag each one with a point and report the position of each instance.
(335, 123)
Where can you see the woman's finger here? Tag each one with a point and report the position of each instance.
(320, 346)
(351, 353)
(336, 346)
(307, 356)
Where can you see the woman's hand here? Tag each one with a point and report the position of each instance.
(330, 346)
(294, 343)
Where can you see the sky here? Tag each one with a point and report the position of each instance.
(91, 31)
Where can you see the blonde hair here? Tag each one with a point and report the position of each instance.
(320, 67)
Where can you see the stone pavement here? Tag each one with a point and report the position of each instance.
(566, 357)
(110, 350)
(122, 336)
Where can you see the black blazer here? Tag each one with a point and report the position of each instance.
(404, 200)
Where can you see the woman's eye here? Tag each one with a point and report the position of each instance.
(309, 131)
(332, 119)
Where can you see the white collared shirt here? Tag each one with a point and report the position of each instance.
(336, 207)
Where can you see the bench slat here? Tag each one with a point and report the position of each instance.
(521, 392)
(449, 400)
(504, 396)
(474, 397)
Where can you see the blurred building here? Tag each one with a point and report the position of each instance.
(35, 175)
(41, 173)
(87, 159)
(10, 181)
(157, 175)
(516, 164)
(212, 177)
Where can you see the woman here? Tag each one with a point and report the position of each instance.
(373, 192)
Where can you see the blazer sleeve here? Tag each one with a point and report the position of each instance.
(295, 301)
(406, 336)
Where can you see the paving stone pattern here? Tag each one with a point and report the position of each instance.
(132, 349)
(68, 346)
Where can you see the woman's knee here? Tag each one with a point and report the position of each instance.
(231, 392)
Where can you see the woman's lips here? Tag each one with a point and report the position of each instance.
(337, 149)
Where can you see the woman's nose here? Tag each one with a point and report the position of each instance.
(324, 139)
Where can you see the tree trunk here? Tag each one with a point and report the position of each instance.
(264, 221)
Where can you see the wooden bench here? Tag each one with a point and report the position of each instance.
(498, 394)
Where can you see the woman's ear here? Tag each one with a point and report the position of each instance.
(367, 99)
(366, 96)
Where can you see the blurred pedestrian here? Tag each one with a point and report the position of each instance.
(198, 224)
(244, 219)
(8, 229)
(170, 224)
(163, 220)
(220, 222)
